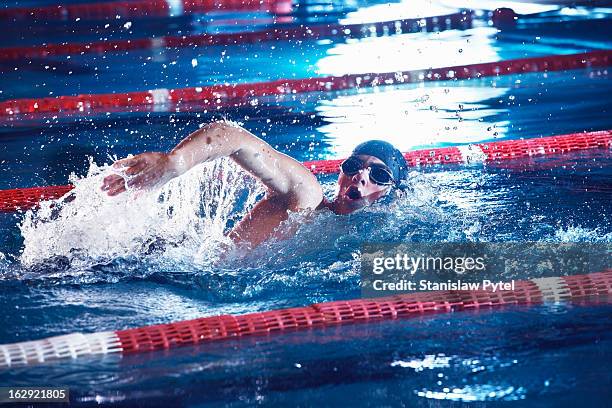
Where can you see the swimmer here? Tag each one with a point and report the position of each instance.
(371, 172)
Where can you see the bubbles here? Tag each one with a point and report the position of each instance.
(580, 234)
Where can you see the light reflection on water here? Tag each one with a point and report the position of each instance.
(413, 51)
(395, 11)
(520, 7)
(411, 118)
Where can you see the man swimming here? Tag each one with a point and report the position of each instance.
(373, 169)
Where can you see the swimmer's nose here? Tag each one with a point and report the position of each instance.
(361, 177)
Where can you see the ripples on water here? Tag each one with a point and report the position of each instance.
(492, 356)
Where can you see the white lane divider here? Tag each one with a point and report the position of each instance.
(553, 289)
(60, 347)
(472, 154)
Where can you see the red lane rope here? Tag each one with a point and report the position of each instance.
(139, 8)
(191, 332)
(461, 20)
(576, 288)
(242, 94)
(24, 198)
(492, 151)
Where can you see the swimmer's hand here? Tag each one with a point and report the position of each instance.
(141, 171)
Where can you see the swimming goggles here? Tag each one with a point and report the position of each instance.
(379, 174)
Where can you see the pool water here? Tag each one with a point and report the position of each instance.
(96, 264)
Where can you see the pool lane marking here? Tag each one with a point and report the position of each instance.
(461, 20)
(160, 96)
(472, 154)
(235, 95)
(72, 345)
(225, 327)
(156, 43)
(24, 198)
(5, 361)
(553, 289)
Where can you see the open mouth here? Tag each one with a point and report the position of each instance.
(353, 193)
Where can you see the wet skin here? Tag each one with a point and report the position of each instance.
(291, 186)
(357, 191)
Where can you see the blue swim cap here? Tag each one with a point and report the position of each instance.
(388, 154)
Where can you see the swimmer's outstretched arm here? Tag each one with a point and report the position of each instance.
(291, 186)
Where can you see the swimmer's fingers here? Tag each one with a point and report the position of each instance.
(110, 180)
(136, 168)
(145, 178)
(113, 184)
(140, 171)
(116, 186)
(129, 162)
(117, 190)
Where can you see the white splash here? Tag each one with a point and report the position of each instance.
(580, 234)
(191, 212)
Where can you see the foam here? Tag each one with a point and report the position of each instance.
(191, 212)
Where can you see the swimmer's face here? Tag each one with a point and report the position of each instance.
(358, 190)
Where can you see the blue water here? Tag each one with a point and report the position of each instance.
(99, 265)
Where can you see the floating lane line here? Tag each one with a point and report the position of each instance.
(232, 95)
(25, 198)
(461, 20)
(580, 288)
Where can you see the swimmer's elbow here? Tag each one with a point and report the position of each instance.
(235, 138)
(306, 197)
(221, 126)
(212, 141)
